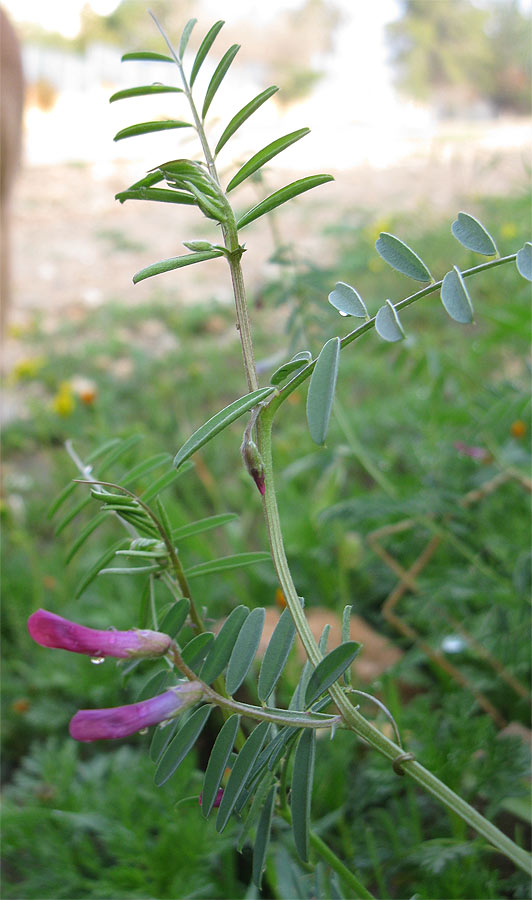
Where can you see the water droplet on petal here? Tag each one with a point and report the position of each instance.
(111, 628)
(143, 731)
(97, 660)
(344, 314)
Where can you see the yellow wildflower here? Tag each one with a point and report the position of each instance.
(63, 403)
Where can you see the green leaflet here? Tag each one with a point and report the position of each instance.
(299, 361)
(347, 301)
(175, 618)
(329, 670)
(302, 779)
(143, 468)
(155, 684)
(84, 534)
(187, 31)
(524, 261)
(162, 736)
(387, 323)
(160, 484)
(144, 90)
(472, 235)
(244, 650)
(102, 561)
(196, 650)
(346, 628)
(240, 772)
(181, 744)
(244, 114)
(204, 48)
(149, 127)
(75, 511)
(201, 525)
(282, 196)
(220, 421)
(224, 563)
(218, 76)
(455, 297)
(400, 257)
(220, 653)
(255, 810)
(220, 754)
(263, 837)
(264, 155)
(177, 262)
(321, 390)
(276, 655)
(146, 55)
(160, 195)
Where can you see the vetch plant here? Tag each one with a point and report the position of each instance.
(269, 751)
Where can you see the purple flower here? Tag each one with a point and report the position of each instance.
(50, 630)
(121, 721)
(473, 452)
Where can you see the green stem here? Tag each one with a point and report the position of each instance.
(330, 857)
(353, 719)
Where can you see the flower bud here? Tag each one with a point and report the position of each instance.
(121, 721)
(50, 630)
(253, 463)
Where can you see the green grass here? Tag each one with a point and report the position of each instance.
(103, 829)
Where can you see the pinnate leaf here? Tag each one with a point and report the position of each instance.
(144, 90)
(455, 297)
(387, 324)
(401, 257)
(276, 655)
(149, 127)
(282, 196)
(321, 390)
(204, 48)
(244, 650)
(302, 780)
(244, 114)
(347, 301)
(181, 745)
(220, 653)
(472, 234)
(239, 773)
(220, 754)
(330, 669)
(162, 736)
(524, 261)
(218, 76)
(264, 155)
(178, 262)
(220, 421)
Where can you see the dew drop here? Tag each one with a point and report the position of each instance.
(143, 731)
(97, 660)
(344, 314)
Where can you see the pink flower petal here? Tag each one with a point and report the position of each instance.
(50, 630)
